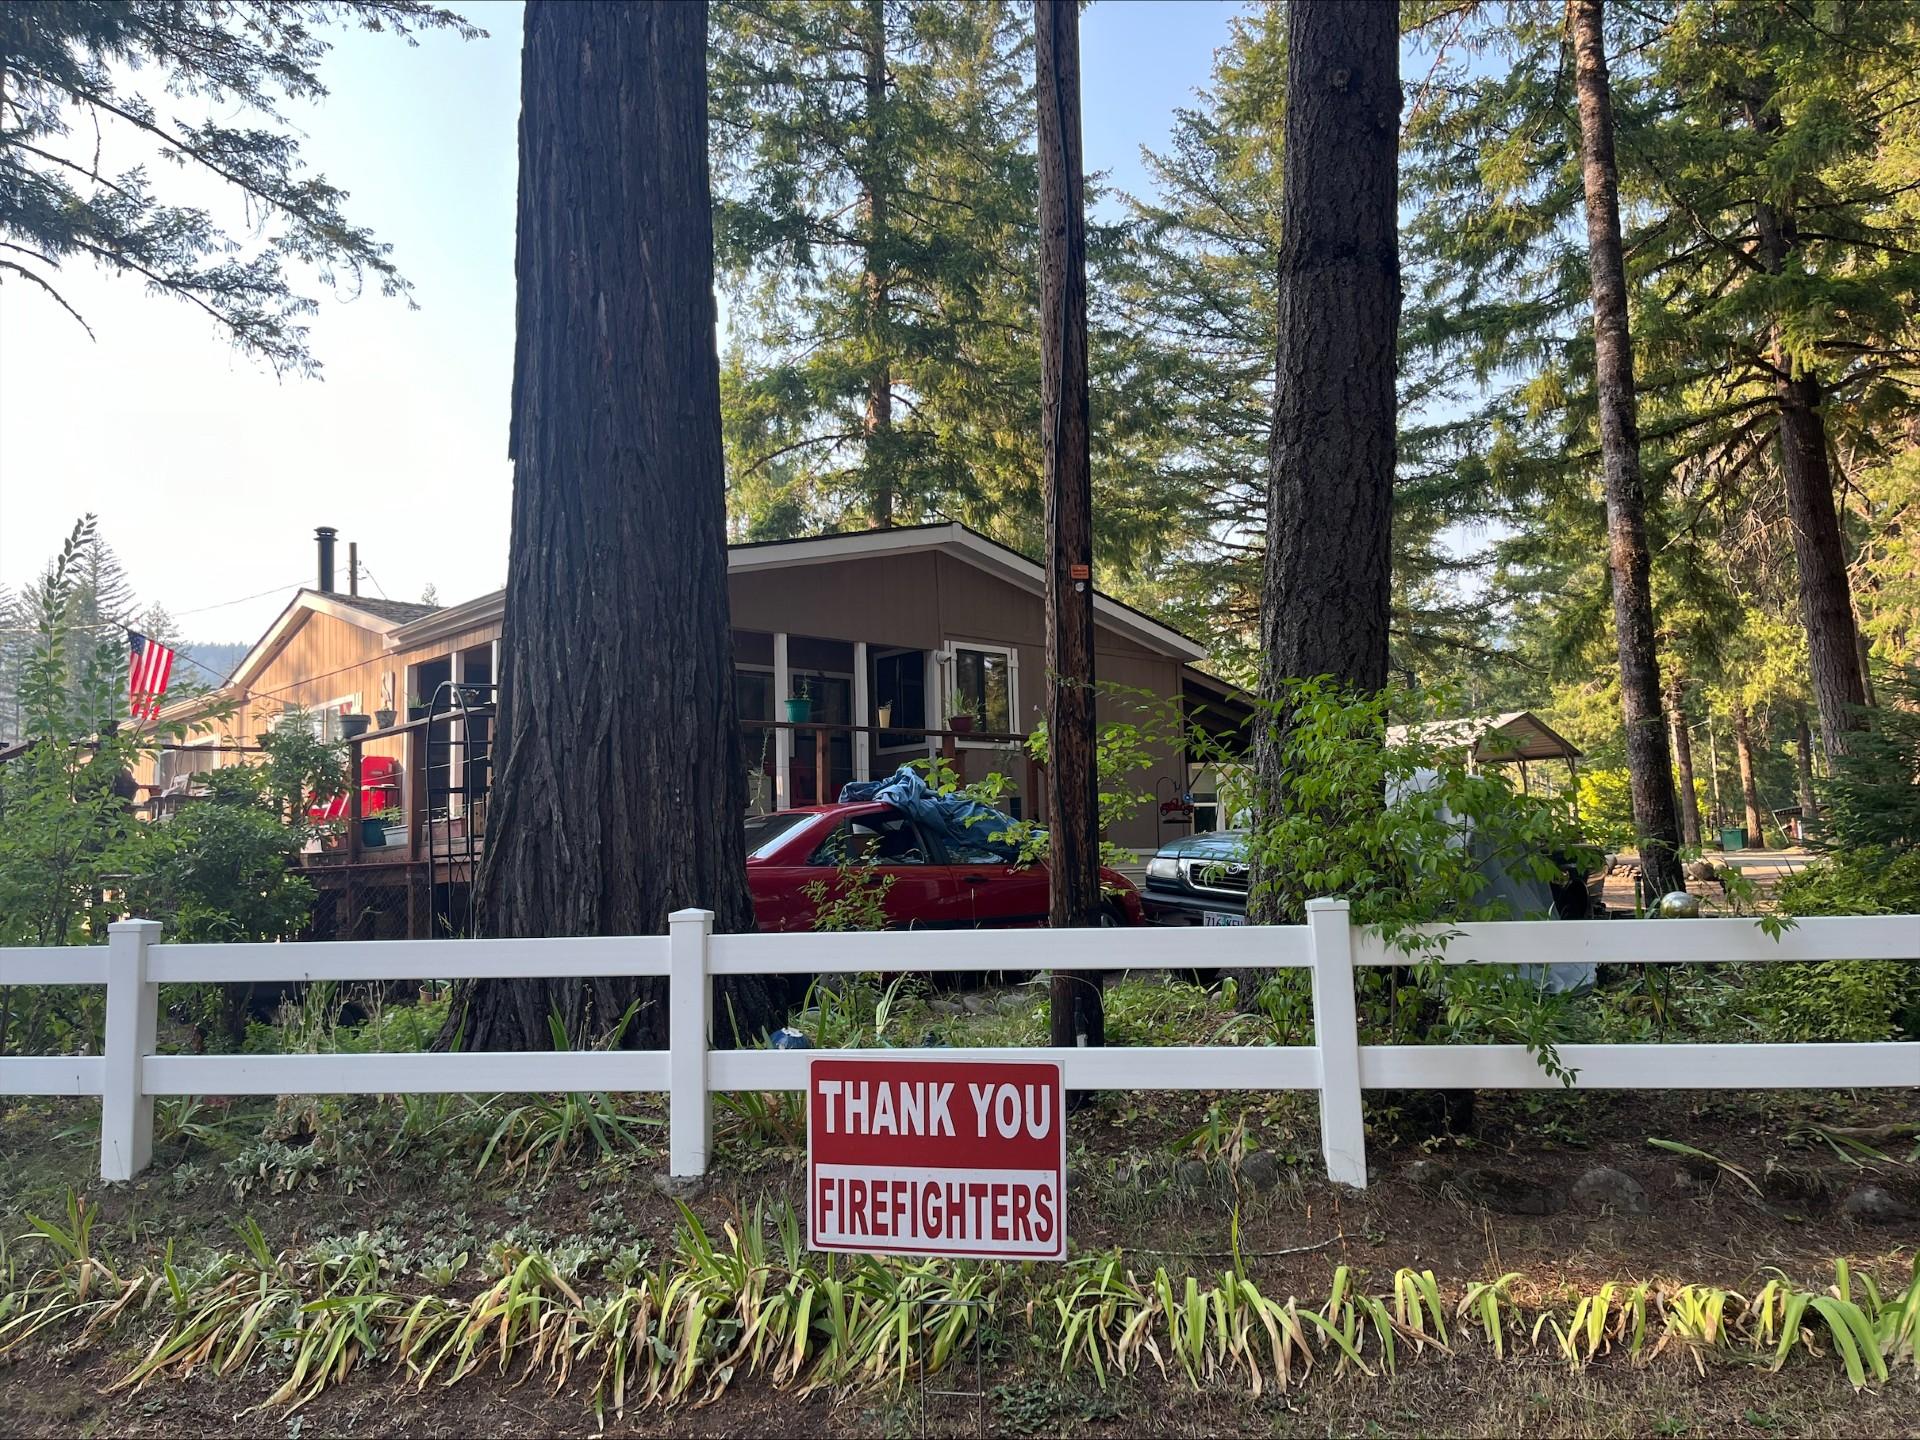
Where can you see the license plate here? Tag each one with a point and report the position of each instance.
(1221, 917)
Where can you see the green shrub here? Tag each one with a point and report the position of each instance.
(1844, 999)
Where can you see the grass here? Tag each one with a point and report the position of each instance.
(750, 1301)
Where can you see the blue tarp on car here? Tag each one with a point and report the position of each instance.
(948, 818)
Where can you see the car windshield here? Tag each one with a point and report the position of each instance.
(763, 831)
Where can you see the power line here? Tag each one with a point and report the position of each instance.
(202, 609)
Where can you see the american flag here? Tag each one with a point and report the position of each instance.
(150, 668)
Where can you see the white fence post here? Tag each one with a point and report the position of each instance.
(1336, 1033)
(133, 1012)
(689, 1022)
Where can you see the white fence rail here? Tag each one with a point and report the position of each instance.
(129, 1076)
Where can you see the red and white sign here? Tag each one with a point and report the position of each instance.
(934, 1157)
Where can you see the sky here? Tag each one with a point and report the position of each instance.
(209, 473)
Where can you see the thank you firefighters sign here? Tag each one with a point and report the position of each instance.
(913, 1157)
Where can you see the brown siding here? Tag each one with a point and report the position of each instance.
(323, 660)
(917, 601)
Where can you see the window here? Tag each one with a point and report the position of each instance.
(900, 681)
(979, 847)
(173, 769)
(762, 831)
(753, 694)
(873, 840)
(983, 686)
(324, 719)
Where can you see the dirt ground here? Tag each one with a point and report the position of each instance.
(1770, 1199)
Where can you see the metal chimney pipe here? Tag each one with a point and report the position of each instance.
(323, 538)
(353, 567)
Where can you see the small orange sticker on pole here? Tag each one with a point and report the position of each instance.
(1079, 572)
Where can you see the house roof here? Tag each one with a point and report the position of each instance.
(1493, 739)
(400, 610)
(382, 617)
(948, 537)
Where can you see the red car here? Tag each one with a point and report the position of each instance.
(934, 886)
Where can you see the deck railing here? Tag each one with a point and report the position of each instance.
(131, 1073)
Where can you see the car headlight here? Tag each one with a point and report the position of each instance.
(1164, 867)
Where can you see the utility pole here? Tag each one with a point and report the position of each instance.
(1073, 812)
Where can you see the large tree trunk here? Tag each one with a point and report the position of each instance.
(1826, 600)
(1325, 591)
(1649, 766)
(621, 788)
(1683, 768)
(1749, 789)
(1073, 803)
(879, 462)
(1826, 597)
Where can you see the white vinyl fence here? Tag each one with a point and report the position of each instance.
(133, 966)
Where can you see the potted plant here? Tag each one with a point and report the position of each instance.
(960, 723)
(416, 707)
(383, 719)
(800, 703)
(885, 713)
(352, 724)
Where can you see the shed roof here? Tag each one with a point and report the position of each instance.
(1493, 739)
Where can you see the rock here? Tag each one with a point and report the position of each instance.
(974, 1004)
(1876, 1205)
(940, 1005)
(1428, 1174)
(1702, 870)
(1509, 1194)
(1193, 1175)
(1260, 1171)
(1011, 1003)
(681, 1187)
(1605, 1188)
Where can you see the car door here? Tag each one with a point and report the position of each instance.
(990, 890)
(884, 848)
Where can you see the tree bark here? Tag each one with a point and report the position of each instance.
(1749, 790)
(1649, 765)
(1683, 767)
(1803, 761)
(620, 788)
(1325, 589)
(1826, 595)
(879, 460)
(1073, 804)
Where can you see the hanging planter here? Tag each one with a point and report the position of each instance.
(961, 723)
(799, 709)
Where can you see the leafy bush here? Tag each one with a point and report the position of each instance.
(1606, 806)
(1844, 999)
(1408, 834)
